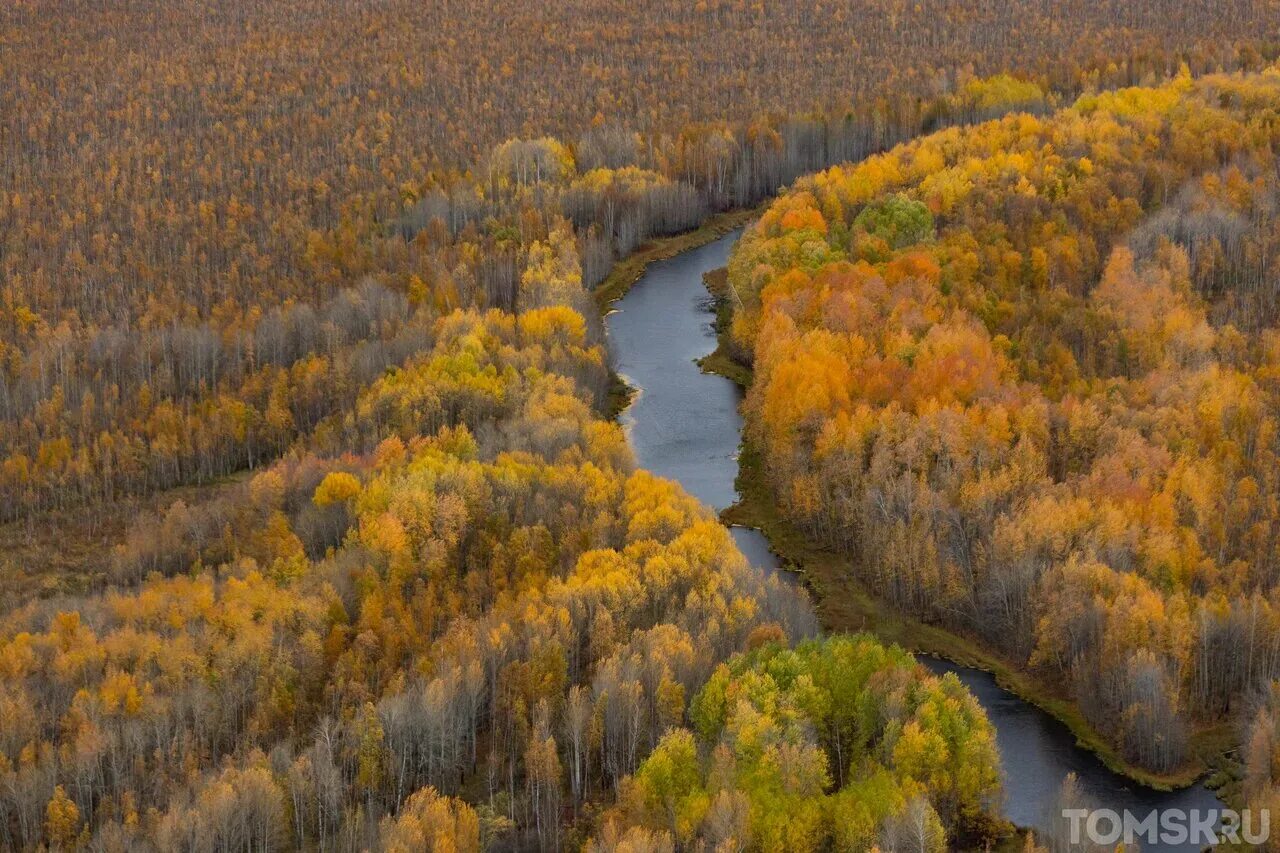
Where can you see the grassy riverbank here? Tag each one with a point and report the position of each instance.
(845, 604)
(627, 272)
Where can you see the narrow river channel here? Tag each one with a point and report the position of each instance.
(684, 424)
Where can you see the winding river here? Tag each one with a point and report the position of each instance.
(684, 424)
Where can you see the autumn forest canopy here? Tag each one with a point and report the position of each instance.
(319, 533)
(1027, 372)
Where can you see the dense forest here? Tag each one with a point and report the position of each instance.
(334, 258)
(500, 608)
(840, 744)
(217, 215)
(1026, 372)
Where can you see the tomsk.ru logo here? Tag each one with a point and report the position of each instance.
(1169, 826)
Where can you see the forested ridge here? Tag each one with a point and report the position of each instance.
(345, 249)
(1025, 372)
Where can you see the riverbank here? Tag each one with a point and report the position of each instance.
(845, 604)
(627, 272)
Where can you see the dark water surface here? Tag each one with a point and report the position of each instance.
(685, 425)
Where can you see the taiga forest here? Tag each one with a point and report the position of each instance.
(322, 527)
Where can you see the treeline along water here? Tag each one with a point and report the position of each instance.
(684, 424)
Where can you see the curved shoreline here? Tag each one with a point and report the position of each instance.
(856, 608)
(820, 566)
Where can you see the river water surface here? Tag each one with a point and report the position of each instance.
(684, 424)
